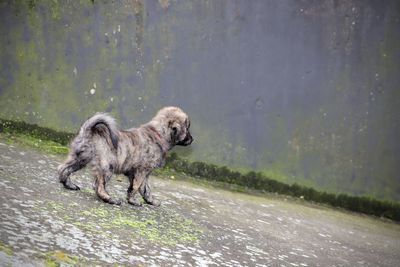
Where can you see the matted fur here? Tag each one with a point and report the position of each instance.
(134, 152)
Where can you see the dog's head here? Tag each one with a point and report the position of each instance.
(177, 123)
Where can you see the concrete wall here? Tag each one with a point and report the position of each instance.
(306, 91)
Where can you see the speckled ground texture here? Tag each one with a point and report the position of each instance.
(42, 224)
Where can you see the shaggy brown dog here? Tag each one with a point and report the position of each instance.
(134, 152)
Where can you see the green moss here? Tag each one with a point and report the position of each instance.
(97, 212)
(170, 231)
(164, 228)
(87, 190)
(29, 141)
(33, 130)
(55, 206)
(60, 258)
(6, 249)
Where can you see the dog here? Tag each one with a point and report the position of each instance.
(134, 152)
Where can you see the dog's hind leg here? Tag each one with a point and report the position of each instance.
(65, 170)
(101, 177)
(136, 180)
(145, 191)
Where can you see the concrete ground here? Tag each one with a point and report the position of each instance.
(43, 224)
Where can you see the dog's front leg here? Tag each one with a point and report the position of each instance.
(145, 191)
(135, 181)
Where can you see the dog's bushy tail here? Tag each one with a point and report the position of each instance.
(101, 124)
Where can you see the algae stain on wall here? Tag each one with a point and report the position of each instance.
(304, 91)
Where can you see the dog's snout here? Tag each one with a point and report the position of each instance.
(189, 139)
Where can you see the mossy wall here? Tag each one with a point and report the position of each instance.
(305, 91)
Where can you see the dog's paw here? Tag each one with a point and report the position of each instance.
(134, 202)
(154, 202)
(114, 201)
(71, 186)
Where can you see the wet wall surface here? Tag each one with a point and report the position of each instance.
(306, 91)
(43, 224)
